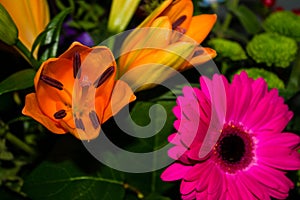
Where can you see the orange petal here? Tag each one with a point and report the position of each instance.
(206, 55)
(32, 109)
(200, 26)
(121, 96)
(178, 9)
(147, 22)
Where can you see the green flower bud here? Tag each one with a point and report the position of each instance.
(272, 79)
(8, 29)
(272, 49)
(284, 23)
(228, 49)
(121, 13)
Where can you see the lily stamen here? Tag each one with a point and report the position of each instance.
(178, 22)
(60, 114)
(52, 82)
(76, 65)
(104, 76)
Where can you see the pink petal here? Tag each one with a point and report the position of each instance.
(275, 182)
(290, 140)
(253, 186)
(187, 187)
(190, 196)
(233, 190)
(279, 157)
(176, 152)
(174, 172)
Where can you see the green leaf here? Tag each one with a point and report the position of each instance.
(20, 80)
(293, 85)
(247, 18)
(65, 180)
(51, 39)
(154, 196)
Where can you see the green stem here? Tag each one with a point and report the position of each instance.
(233, 4)
(26, 53)
(121, 183)
(19, 143)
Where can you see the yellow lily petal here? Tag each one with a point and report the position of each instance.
(30, 17)
(155, 37)
(148, 21)
(201, 26)
(155, 67)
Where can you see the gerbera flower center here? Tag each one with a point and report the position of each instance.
(235, 149)
(232, 148)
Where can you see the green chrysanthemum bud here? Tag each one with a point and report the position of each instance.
(284, 23)
(8, 29)
(271, 78)
(228, 49)
(272, 49)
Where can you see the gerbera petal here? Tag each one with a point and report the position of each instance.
(200, 26)
(174, 172)
(284, 139)
(279, 157)
(233, 191)
(272, 180)
(254, 187)
(176, 152)
(187, 187)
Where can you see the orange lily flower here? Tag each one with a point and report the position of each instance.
(170, 36)
(77, 92)
(30, 17)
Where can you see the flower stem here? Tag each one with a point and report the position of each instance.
(19, 143)
(25, 53)
(233, 4)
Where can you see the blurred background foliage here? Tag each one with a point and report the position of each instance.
(259, 36)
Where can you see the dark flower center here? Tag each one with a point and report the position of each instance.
(235, 148)
(231, 148)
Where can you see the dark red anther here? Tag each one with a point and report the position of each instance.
(178, 22)
(60, 114)
(52, 82)
(76, 65)
(104, 76)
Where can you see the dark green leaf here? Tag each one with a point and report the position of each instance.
(293, 85)
(51, 39)
(65, 180)
(154, 196)
(19, 80)
(247, 18)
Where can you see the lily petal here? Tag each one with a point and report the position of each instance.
(201, 26)
(32, 109)
(31, 18)
(178, 9)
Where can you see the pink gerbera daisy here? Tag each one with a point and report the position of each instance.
(230, 142)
